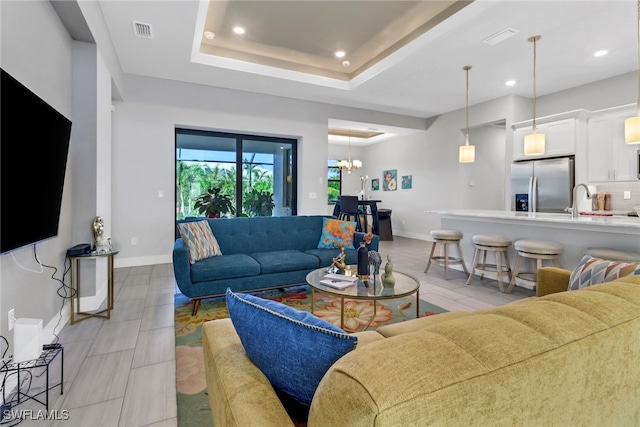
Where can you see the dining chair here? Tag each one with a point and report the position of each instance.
(350, 211)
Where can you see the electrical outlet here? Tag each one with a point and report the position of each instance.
(134, 241)
(11, 319)
(627, 195)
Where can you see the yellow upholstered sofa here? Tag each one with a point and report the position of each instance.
(565, 359)
(553, 279)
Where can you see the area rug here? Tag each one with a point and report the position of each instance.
(191, 388)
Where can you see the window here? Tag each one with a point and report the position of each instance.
(334, 181)
(265, 186)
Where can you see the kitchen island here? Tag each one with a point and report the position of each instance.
(575, 234)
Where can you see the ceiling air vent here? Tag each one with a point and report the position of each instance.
(500, 36)
(141, 29)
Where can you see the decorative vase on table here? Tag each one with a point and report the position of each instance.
(388, 281)
(363, 261)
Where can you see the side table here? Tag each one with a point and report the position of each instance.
(43, 361)
(75, 285)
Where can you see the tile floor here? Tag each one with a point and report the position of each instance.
(121, 372)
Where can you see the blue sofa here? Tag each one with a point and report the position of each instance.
(257, 253)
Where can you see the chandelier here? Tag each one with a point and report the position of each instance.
(349, 165)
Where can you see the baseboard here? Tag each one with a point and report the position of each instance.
(416, 236)
(119, 262)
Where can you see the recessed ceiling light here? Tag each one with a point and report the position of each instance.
(600, 53)
(238, 30)
(209, 35)
(340, 54)
(346, 63)
(510, 82)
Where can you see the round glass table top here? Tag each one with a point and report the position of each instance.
(368, 289)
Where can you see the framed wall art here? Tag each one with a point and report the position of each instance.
(389, 182)
(375, 184)
(406, 182)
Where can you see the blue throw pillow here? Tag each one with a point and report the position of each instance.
(337, 234)
(293, 348)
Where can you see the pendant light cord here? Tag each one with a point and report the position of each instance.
(467, 68)
(638, 106)
(534, 39)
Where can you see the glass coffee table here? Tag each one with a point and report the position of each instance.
(369, 290)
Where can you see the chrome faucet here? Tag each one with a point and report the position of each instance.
(574, 209)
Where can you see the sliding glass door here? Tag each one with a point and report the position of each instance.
(207, 165)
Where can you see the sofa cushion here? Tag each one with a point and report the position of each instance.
(325, 256)
(336, 234)
(224, 267)
(282, 261)
(293, 348)
(592, 270)
(199, 239)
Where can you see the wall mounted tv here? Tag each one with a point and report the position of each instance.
(34, 143)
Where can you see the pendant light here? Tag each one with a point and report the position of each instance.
(349, 164)
(632, 124)
(467, 152)
(534, 142)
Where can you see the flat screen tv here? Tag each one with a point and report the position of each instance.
(34, 143)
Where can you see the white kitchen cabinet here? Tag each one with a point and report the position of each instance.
(608, 157)
(560, 138)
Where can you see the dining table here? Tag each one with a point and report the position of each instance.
(370, 208)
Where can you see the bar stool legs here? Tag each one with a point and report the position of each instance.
(534, 249)
(444, 238)
(499, 246)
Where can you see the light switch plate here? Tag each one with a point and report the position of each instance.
(627, 195)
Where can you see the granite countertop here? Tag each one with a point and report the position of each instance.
(617, 220)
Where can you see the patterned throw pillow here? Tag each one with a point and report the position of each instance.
(197, 236)
(591, 271)
(336, 233)
(293, 348)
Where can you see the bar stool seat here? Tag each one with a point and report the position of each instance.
(534, 249)
(499, 246)
(444, 238)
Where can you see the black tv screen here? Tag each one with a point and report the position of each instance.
(34, 143)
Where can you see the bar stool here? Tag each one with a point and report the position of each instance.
(534, 249)
(384, 224)
(499, 246)
(444, 238)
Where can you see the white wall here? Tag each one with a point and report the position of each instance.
(144, 151)
(143, 144)
(41, 60)
(439, 180)
(74, 79)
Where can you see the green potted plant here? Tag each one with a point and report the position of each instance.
(213, 203)
(259, 203)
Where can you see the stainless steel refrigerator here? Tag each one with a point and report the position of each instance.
(542, 185)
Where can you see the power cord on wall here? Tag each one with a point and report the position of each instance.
(64, 291)
(25, 268)
(6, 405)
